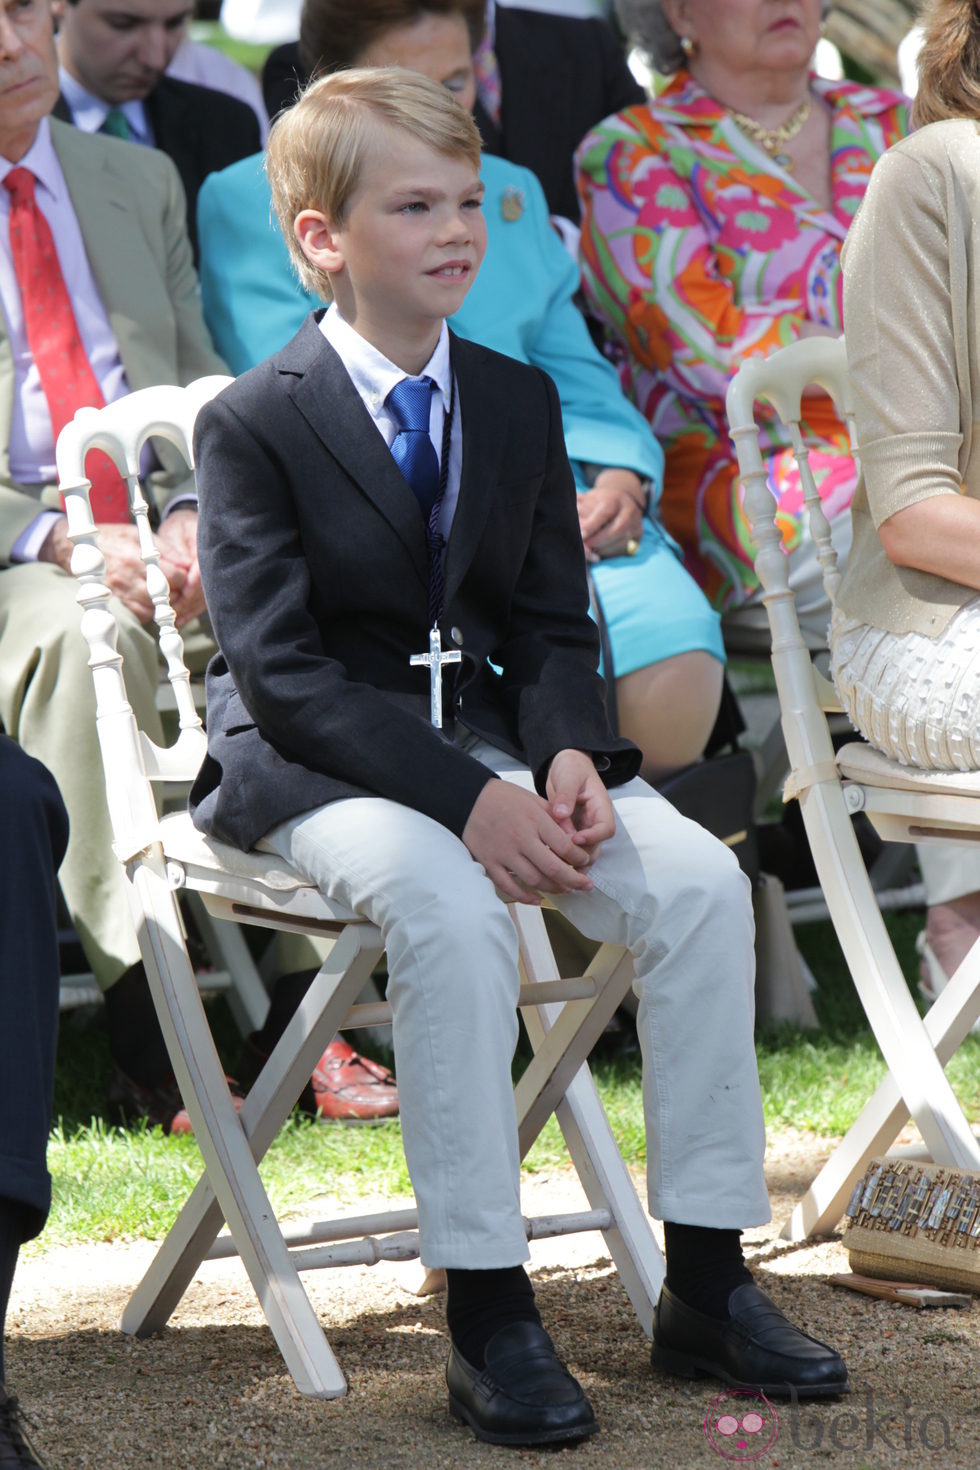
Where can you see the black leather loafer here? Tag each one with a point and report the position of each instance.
(16, 1450)
(523, 1395)
(757, 1348)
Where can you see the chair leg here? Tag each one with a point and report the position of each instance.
(232, 1188)
(564, 1046)
(263, 1113)
(247, 996)
(885, 1114)
(593, 1149)
(878, 979)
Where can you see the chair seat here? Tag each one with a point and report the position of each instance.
(862, 763)
(183, 843)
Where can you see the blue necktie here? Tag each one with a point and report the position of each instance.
(409, 402)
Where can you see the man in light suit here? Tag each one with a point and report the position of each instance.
(116, 218)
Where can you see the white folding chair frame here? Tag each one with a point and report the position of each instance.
(902, 804)
(162, 856)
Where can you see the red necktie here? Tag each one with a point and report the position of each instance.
(67, 379)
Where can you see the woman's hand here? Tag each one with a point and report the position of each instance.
(610, 515)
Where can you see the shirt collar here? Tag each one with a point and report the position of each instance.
(373, 374)
(42, 161)
(689, 104)
(90, 112)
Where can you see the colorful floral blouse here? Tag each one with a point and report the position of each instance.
(697, 251)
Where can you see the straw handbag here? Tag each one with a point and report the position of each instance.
(916, 1222)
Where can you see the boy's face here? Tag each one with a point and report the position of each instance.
(412, 240)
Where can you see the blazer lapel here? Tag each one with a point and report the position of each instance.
(327, 399)
(104, 215)
(483, 435)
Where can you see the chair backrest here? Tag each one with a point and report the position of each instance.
(130, 758)
(780, 380)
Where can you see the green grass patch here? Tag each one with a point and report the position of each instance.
(111, 1183)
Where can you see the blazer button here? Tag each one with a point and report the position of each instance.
(457, 636)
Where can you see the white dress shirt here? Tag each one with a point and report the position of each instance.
(31, 449)
(89, 112)
(374, 376)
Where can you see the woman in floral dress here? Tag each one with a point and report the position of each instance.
(713, 223)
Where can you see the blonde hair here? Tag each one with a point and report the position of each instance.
(316, 151)
(949, 62)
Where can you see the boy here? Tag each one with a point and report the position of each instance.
(377, 479)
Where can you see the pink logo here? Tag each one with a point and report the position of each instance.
(741, 1425)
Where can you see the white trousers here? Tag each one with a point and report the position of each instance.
(664, 888)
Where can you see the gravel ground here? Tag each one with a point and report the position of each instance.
(211, 1391)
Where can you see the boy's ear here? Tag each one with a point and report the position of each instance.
(319, 240)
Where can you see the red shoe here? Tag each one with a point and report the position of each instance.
(351, 1088)
(157, 1106)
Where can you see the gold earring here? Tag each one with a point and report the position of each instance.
(689, 46)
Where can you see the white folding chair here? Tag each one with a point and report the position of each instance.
(166, 855)
(904, 805)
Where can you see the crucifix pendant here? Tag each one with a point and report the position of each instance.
(435, 658)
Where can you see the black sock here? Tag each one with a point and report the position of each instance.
(704, 1266)
(135, 1039)
(287, 992)
(481, 1302)
(13, 1230)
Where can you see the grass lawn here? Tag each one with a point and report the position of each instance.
(110, 1183)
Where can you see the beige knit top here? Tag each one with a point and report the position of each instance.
(911, 302)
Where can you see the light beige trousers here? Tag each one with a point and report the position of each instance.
(667, 890)
(47, 704)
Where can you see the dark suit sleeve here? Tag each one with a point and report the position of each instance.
(551, 653)
(32, 844)
(257, 581)
(283, 78)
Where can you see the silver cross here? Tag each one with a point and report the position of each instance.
(435, 658)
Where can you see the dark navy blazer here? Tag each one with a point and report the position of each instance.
(314, 563)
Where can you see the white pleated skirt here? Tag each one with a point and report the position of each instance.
(914, 698)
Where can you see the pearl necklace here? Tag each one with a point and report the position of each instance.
(774, 139)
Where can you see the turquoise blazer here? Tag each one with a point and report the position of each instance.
(520, 304)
